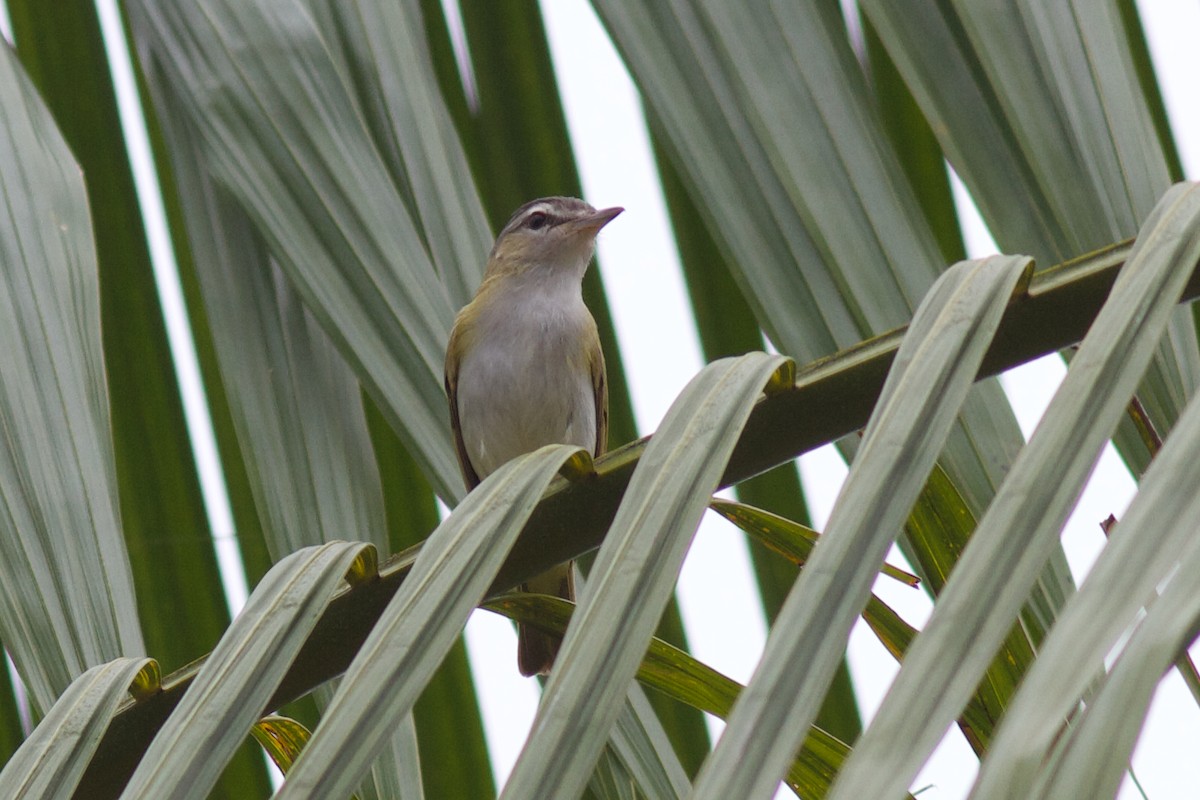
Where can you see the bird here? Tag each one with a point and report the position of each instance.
(524, 365)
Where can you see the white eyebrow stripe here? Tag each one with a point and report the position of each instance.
(543, 208)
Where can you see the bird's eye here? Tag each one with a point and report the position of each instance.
(536, 221)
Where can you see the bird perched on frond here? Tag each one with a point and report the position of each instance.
(524, 367)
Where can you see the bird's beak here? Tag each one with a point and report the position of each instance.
(593, 222)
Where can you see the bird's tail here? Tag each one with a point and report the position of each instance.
(536, 649)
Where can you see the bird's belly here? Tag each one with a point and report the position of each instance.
(511, 403)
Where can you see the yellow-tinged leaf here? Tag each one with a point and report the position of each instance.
(282, 738)
(681, 677)
(789, 539)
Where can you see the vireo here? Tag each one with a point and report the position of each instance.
(524, 366)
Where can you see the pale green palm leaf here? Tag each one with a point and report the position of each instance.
(68, 590)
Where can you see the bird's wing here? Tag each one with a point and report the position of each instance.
(600, 384)
(464, 461)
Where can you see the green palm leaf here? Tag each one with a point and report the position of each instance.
(331, 181)
(65, 567)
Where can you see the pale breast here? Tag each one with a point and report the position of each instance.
(527, 383)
